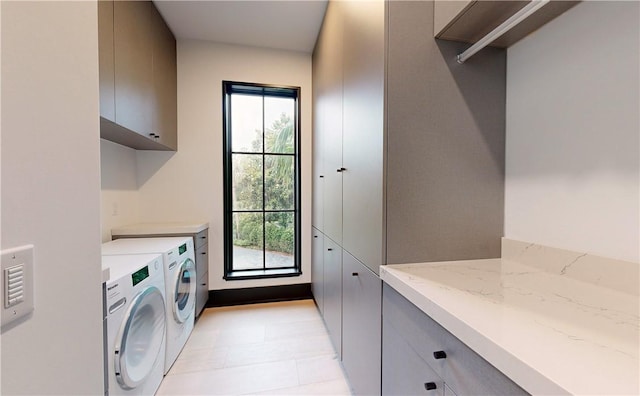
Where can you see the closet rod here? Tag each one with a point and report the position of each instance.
(504, 27)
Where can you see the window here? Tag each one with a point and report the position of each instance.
(261, 180)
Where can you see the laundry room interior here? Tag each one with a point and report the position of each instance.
(378, 197)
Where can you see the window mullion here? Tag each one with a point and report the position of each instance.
(264, 194)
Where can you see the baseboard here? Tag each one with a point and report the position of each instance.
(253, 295)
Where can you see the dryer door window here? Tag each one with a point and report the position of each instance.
(140, 339)
(185, 291)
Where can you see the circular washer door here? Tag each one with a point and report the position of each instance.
(140, 339)
(185, 291)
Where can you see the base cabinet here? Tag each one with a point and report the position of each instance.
(361, 326)
(333, 292)
(317, 269)
(462, 370)
(201, 244)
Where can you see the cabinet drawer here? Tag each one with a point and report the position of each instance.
(463, 370)
(201, 238)
(422, 333)
(467, 373)
(403, 371)
(202, 260)
(202, 292)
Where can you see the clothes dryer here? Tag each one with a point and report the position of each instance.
(180, 284)
(136, 324)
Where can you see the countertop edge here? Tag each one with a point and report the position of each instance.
(159, 228)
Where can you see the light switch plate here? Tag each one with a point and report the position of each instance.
(16, 285)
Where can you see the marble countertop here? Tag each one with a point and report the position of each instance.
(160, 228)
(549, 332)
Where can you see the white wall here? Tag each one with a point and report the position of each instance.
(572, 164)
(120, 195)
(51, 193)
(187, 185)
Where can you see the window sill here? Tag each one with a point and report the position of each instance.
(262, 273)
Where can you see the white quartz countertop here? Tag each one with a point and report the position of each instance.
(160, 228)
(550, 333)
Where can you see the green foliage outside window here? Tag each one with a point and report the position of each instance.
(278, 191)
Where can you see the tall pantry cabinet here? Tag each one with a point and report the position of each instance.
(408, 162)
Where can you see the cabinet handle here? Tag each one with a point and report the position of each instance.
(440, 354)
(203, 237)
(203, 284)
(315, 236)
(321, 176)
(354, 274)
(203, 252)
(152, 135)
(430, 386)
(341, 169)
(329, 249)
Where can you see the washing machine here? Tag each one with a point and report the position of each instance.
(180, 284)
(136, 324)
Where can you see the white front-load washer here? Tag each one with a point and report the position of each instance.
(136, 324)
(180, 284)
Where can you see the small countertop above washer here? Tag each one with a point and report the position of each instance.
(160, 228)
(547, 327)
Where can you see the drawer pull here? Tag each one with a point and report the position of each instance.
(430, 386)
(203, 252)
(203, 284)
(354, 274)
(315, 236)
(329, 249)
(440, 355)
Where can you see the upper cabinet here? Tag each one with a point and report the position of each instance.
(165, 83)
(138, 83)
(469, 21)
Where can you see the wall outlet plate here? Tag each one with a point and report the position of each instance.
(16, 285)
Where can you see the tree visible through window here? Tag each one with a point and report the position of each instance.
(261, 180)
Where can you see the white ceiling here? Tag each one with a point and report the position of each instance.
(288, 25)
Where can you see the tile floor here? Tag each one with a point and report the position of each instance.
(262, 349)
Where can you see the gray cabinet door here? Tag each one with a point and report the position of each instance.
(361, 327)
(319, 92)
(330, 113)
(165, 83)
(106, 60)
(133, 65)
(363, 131)
(333, 292)
(317, 269)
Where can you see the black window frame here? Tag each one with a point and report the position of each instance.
(264, 90)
